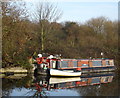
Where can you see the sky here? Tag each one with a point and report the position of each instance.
(83, 10)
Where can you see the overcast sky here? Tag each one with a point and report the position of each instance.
(82, 10)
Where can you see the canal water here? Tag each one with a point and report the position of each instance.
(100, 84)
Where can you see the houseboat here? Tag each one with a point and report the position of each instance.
(71, 67)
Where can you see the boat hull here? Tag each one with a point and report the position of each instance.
(56, 80)
(55, 72)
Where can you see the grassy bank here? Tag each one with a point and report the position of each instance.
(14, 70)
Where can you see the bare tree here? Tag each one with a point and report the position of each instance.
(97, 24)
(45, 14)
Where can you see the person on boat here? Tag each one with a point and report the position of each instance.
(50, 57)
(39, 59)
(39, 55)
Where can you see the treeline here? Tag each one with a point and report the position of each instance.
(21, 38)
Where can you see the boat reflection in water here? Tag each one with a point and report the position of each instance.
(63, 83)
(93, 84)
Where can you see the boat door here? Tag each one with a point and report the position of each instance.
(53, 64)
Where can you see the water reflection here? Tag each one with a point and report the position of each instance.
(86, 85)
(84, 80)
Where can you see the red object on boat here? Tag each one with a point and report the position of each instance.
(78, 68)
(39, 60)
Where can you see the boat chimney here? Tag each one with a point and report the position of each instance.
(102, 55)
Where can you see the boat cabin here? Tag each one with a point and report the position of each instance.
(78, 64)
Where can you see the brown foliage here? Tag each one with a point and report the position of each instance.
(22, 38)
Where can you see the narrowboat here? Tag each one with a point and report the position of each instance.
(56, 66)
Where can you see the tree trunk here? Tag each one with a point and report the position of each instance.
(42, 40)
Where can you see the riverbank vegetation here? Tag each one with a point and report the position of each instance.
(23, 38)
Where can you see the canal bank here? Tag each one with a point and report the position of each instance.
(15, 70)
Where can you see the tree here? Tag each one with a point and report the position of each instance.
(97, 24)
(45, 14)
(14, 31)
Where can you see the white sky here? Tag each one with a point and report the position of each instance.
(75, 0)
(83, 10)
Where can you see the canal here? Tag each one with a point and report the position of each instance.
(100, 84)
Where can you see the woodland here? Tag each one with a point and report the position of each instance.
(23, 37)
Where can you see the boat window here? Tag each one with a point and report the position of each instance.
(84, 65)
(74, 83)
(58, 64)
(107, 63)
(61, 85)
(74, 63)
(97, 63)
(53, 64)
(64, 64)
(84, 80)
(65, 85)
(111, 62)
(110, 79)
(95, 80)
(106, 79)
(69, 84)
